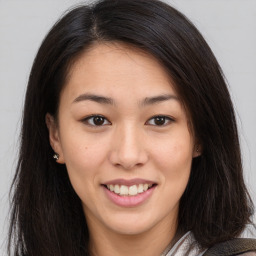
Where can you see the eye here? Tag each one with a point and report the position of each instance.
(160, 120)
(96, 120)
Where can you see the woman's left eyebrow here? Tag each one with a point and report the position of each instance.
(109, 101)
(158, 99)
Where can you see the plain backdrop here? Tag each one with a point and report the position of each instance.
(229, 26)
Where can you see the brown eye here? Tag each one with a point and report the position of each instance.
(96, 120)
(160, 120)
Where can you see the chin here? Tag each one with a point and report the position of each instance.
(131, 226)
(130, 230)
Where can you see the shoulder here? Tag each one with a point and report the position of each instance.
(186, 245)
(237, 246)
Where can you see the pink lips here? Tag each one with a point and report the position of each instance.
(128, 201)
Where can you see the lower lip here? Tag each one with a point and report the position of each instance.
(129, 201)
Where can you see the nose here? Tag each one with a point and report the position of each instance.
(128, 148)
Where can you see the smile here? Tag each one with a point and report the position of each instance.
(124, 190)
(129, 193)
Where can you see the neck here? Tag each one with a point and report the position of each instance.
(151, 243)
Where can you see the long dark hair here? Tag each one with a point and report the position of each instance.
(47, 217)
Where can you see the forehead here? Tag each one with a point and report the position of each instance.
(115, 64)
(111, 50)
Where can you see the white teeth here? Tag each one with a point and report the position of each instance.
(116, 189)
(140, 188)
(145, 187)
(133, 190)
(124, 190)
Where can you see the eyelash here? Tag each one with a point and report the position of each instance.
(167, 119)
(87, 120)
(91, 117)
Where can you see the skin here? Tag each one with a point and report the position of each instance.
(129, 144)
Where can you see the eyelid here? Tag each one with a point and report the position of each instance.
(85, 120)
(169, 118)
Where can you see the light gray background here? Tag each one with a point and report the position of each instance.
(229, 27)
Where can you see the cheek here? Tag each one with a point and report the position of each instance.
(82, 150)
(176, 152)
(83, 170)
(174, 158)
(83, 159)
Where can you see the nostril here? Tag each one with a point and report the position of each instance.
(128, 161)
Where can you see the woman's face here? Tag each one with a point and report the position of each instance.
(124, 137)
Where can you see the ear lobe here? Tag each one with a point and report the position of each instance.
(54, 137)
(197, 150)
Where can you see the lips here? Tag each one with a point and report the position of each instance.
(133, 190)
(129, 193)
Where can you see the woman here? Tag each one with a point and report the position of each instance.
(129, 139)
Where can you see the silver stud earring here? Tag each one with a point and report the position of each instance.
(56, 156)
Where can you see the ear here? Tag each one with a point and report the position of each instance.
(54, 137)
(197, 150)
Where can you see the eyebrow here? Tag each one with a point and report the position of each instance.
(95, 98)
(109, 101)
(158, 99)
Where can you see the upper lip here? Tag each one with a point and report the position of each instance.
(129, 182)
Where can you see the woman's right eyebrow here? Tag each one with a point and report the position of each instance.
(109, 101)
(96, 98)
